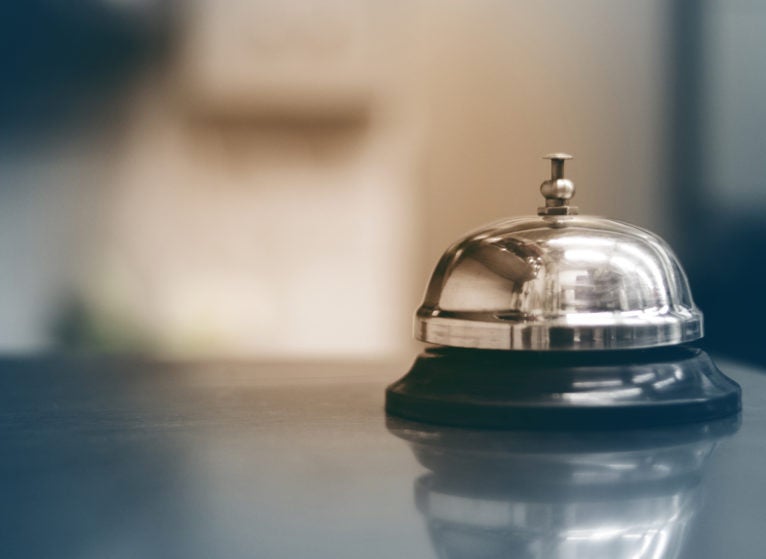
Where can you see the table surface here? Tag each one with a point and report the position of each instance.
(111, 458)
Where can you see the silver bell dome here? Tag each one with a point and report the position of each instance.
(558, 281)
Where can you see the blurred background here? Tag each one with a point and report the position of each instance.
(276, 179)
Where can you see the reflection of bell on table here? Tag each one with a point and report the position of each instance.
(560, 318)
(603, 495)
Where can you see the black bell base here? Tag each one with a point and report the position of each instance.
(563, 390)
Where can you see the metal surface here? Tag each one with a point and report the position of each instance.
(106, 458)
(558, 282)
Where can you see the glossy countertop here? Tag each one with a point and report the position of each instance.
(120, 458)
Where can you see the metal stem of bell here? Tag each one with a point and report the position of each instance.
(557, 190)
(557, 168)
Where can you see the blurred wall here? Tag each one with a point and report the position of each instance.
(509, 82)
(279, 180)
(718, 129)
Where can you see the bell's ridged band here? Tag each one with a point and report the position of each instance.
(597, 331)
